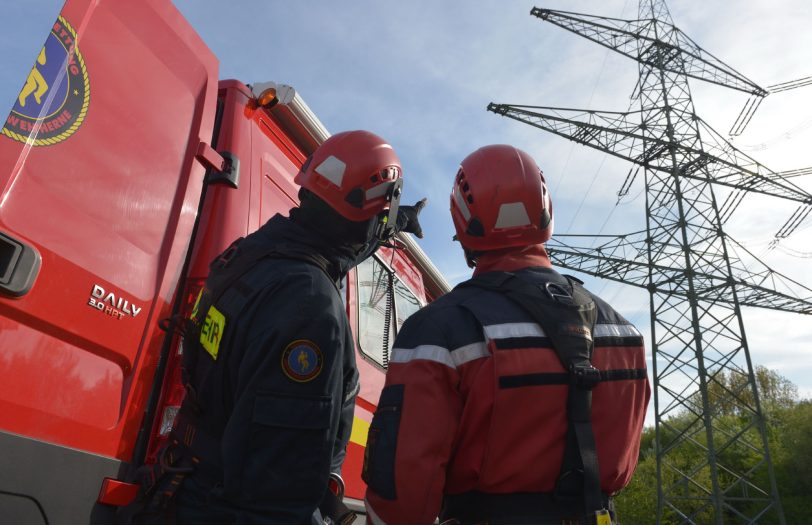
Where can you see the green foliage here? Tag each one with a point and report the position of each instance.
(775, 391)
(791, 447)
(637, 504)
(789, 432)
(730, 392)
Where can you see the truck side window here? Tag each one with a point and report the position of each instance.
(373, 281)
(405, 302)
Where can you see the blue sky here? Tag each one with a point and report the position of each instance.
(420, 73)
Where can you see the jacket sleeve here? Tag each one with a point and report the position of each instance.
(288, 394)
(413, 429)
(350, 392)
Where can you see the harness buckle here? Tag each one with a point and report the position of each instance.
(167, 460)
(584, 376)
(601, 517)
(225, 258)
(558, 293)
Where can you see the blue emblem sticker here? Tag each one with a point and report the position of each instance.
(56, 94)
(302, 360)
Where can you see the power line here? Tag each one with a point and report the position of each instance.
(753, 103)
(572, 146)
(792, 84)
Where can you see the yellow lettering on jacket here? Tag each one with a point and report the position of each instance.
(212, 331)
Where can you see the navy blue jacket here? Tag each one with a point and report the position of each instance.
(273, 411)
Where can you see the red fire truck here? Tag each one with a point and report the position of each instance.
(125, 167)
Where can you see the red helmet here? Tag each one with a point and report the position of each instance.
(354, 172)
(500, 200)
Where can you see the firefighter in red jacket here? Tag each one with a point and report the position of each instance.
(517, 398)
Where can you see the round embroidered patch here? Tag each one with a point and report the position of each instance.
(302, 360)
(56, 94)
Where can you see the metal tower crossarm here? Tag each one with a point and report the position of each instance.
(616, 133)
(629, 37)
(622, 258)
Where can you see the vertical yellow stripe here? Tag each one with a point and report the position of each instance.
(360, 429)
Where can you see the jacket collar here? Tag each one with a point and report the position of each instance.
(293, 237)
(512, 259)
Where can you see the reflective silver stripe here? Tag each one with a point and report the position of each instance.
(438, 354)
(467, 353)
(505, 330)
(353, 391)
(478, 350)
(466, 213)
(616, 330)
(502, 331)
(373, 517)
(434, 353)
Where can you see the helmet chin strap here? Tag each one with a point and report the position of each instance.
(354, 236)
(386, 222)
(470, 255)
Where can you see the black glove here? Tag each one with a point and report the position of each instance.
(407, 218)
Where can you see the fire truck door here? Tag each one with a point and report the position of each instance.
(99, 189)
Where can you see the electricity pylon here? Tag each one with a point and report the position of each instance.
(697, 276)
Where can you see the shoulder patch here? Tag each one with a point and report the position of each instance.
(212, 331)
(302, 360)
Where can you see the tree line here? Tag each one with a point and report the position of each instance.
(789, 433)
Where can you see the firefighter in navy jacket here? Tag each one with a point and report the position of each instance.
(473, 421)
(269, 361)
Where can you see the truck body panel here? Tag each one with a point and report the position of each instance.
(109, 218)
(108, 202)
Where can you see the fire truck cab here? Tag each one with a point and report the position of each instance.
(125, 168)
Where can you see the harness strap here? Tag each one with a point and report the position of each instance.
(199, 445)
(179, 458)
(556, 378)
(568, 315)
(160, 481)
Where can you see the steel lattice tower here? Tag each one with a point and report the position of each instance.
(697, 276)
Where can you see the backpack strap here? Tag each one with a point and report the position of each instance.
(567, 314)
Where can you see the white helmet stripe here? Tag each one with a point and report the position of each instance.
(466, 213)
(511, 215)
(332, 169)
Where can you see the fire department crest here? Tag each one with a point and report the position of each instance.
(302, 360)
(56, 94)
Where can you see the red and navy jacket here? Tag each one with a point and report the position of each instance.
(444, 426)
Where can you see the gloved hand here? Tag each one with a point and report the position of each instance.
(407, 218)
